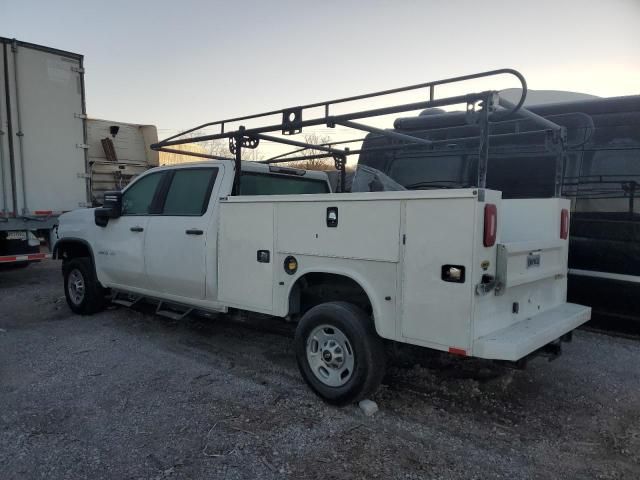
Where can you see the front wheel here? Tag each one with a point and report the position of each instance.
(339, 354)
(82, 290)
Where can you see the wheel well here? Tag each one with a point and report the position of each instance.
(72, 249)
(315, 288)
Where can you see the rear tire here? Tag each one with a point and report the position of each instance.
(339, 354)
(82, 290)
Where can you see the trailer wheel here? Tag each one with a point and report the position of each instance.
(84, 293)
(339, 354)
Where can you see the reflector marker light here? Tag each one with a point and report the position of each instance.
(490, 225)
(564, 224)
(458, 351)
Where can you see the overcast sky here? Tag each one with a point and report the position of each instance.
(179, 63)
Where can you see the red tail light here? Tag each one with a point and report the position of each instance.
(490, 225)
(564, 224)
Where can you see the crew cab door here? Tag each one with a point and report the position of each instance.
(119, 252)
(183, 234)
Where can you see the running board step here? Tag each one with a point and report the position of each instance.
(126, 301)
(176, 312)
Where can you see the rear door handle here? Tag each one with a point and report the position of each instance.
(137, 229)
(194, 231)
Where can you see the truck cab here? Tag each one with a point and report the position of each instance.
(144, 248)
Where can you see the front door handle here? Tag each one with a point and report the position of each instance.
(194, 231)
(137, 229)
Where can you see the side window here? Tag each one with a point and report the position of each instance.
(261, 184)
(189, 191)
(137, 199)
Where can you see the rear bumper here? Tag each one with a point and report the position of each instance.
(28, 257)
(520, 339)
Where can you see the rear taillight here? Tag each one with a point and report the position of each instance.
(564, 224)
(490, 225)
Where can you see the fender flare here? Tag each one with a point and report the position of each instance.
(68, 240)
(351, 275)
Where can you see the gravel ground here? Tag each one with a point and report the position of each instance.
(125, 394)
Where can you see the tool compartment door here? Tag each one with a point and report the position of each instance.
(244, 281)
(438, 232)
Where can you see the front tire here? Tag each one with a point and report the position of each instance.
(82, 290)
(339, 354)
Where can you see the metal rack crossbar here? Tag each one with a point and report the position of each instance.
(482, 109)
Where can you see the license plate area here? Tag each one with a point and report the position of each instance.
(533, 260)
(520, 263)
(16, 235)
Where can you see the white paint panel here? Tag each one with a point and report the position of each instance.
(438, 232)
(367, 230)
(49, 97)
(118, 251)
(175, 261)
(531, 219)
(245, 228)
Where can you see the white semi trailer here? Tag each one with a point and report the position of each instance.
(52, 157)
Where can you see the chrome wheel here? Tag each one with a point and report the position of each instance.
(76, 286)
(330, 355)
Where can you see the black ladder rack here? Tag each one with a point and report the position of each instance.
(482, 109)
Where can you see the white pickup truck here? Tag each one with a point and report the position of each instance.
(457, 270)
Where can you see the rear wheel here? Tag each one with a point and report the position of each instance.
(339, 354)
(82, 290)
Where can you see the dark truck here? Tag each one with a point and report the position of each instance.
(600, 174)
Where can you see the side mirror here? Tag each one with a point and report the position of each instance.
(112, 208)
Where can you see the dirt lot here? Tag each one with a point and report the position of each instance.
(125, 394)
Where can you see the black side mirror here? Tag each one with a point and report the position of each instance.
(112, 208)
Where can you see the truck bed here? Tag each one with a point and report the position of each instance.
(396, 245)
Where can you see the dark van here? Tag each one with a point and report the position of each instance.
(601, 175)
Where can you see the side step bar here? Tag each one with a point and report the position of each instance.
(174, 312)
(164, 309)
(126, 300)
